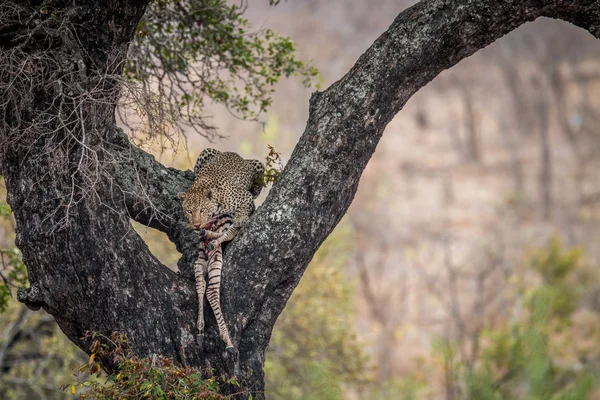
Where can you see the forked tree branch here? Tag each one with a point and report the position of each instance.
(98, 275)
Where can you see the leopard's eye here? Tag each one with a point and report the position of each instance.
(188, 212)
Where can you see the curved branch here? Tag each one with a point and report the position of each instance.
(97, 274)
(149, 191)
(345, 123)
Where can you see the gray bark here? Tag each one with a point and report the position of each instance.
(97, 274)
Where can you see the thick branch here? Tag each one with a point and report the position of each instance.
(98, 274)
(149, 191)
(345, 124)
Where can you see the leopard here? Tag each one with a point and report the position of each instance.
(225, 183)
(217, 205)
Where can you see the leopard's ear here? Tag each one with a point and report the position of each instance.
(181, 195)
(209, 194)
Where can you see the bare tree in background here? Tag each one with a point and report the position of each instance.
(386, 300)
(467, 315)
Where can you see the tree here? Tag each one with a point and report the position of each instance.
(74, 180)
(543, 351)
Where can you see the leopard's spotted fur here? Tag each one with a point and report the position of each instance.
(225, 182)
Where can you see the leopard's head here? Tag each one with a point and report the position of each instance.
(198, 206)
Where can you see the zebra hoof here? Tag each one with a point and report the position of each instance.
(199, 340)
(211, 246)
(201, 232)
(230, 349)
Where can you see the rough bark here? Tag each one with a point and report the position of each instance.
(97, 274)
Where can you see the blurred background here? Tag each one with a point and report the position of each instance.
(468, 264)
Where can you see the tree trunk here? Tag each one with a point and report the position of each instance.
(74, 180)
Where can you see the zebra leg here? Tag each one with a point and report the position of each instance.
(200, 269)
(213, 293)
(225, 236)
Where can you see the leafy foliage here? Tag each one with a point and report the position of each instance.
(273, 166)
(201, 50)
(5, 210)
(13, 273)
(406, 388)
(314, 352)
(532, 357)
(141, 378)
(36, 358)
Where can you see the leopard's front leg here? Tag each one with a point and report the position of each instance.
(216, 237)
(240, 217)
(225, 236)
(203, 233)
